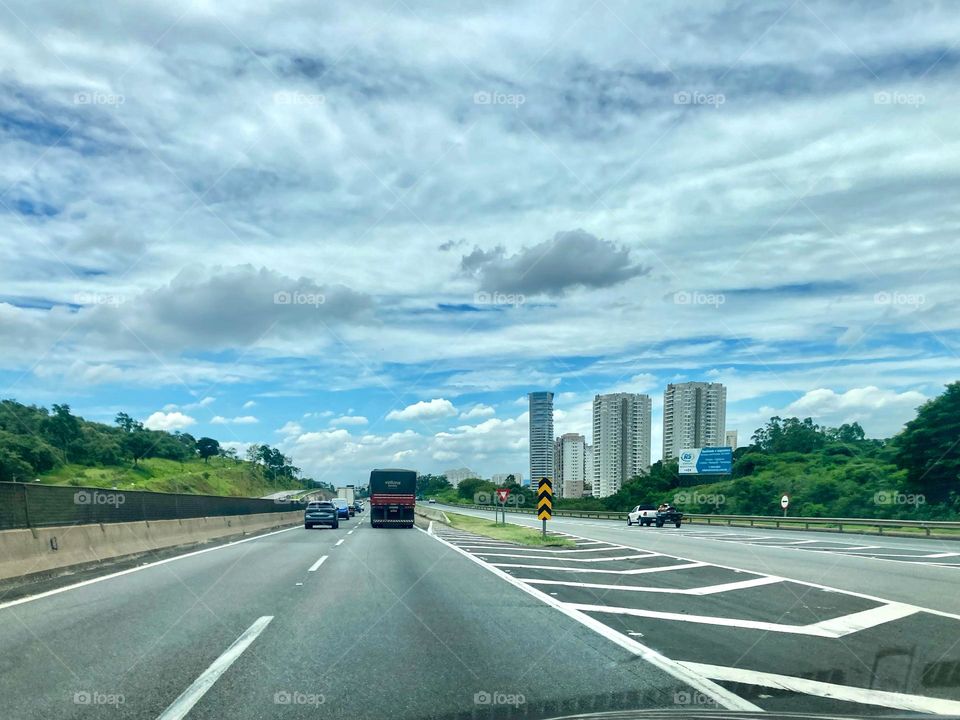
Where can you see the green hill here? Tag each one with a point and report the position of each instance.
(222, 476)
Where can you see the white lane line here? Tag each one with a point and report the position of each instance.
(835, 628)
(430, 528)
(74, 586)
(350, 532)
(638, 571)
(565, 559)
(338, 542)
(706, 590)
(191, 696)
(901, 555)
(718, 693)
(318, 563)
(883, 698)
(467, 546)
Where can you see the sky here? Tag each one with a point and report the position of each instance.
(362, 232)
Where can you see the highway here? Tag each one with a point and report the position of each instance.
(392, 623)
(364, 623)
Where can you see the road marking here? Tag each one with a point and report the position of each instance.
(638, 571)
(576, 560)
(191, 696)
(706, 590)
(867, 696)
(534, 549)
(718, 693)
(834, 628)
(318, 563)
(338, 542)
(350, 532)
(91, 581)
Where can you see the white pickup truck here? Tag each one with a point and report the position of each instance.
(642, 515)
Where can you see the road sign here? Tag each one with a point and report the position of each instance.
(705, 461)
(785, 502)
(545, 499)
(503, 494)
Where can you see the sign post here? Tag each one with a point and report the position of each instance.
(545, 502)
(503, 494)
(785, 503)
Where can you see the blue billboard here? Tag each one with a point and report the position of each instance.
(706, 461)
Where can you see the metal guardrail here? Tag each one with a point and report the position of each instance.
(808, 523)
(25, 505)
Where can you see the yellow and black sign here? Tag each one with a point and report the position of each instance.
(545, 499)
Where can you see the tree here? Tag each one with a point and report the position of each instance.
(207, 448)
(127, 423)
(138, 443)
(62, 428)
(928, 448)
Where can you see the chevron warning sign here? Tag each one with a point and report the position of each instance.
(545, 499)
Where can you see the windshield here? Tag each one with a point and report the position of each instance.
(425, 359)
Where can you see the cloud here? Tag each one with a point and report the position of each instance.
(882, 412)
(478, 411)
(249, 404)
(345, 420)
(571, 259)
(240, 420)
(168, 421)
(424, 410)
(291, 427)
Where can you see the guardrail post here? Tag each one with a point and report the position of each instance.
(778, 524)
(840, 525)
(26, 505)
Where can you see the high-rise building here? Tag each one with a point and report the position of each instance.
(730, 439)
(694, 416)
(541, 436)
(502, 478)
(621, 440)
(456, 476)
(588, 478)
(568, 464)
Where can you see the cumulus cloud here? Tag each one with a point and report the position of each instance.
(478, 411)
(168, 421)
(424, 410)
(881, 412)
(570, 259)
(345, 420)
(239, 420)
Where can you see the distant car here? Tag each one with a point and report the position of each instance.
(358, 506)
(320, 512)
(432, 500)
(668, 514)
(343, 509)
(642, 515)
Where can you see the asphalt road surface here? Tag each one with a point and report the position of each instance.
(787, 620)
(348, 623)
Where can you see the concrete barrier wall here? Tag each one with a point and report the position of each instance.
(25, 552)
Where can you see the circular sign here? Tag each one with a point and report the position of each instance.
(785, 502)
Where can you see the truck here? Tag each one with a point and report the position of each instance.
(393, 494)
(347, 494)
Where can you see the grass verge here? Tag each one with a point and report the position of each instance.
(507, 533)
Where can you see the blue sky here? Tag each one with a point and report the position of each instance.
(363, 234)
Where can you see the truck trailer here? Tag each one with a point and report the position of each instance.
(392, 497)
(347, 494)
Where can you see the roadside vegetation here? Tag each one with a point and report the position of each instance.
(57, 447)
(827, 472)
(507, 533)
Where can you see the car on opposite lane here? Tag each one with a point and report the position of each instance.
(320, 512)
(642, 515)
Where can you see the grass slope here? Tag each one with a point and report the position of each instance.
(220, 477)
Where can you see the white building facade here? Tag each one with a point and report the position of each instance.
(694, 416)
(621, 440)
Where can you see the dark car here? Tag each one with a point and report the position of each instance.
(320, 512)
(343, 509)
(668, 514)
(358, 506)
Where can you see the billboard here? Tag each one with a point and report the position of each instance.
(706, 461)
